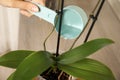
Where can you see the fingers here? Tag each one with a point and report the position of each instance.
(25, 6)
(42, 2)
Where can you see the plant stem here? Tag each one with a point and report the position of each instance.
(59, 30)
(48, 2)
(44, 43)
(94, 20)
(88, 34)
(60, 75)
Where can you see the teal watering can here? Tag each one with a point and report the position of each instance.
(73, 22)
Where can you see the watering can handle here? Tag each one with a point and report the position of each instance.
(45, 13)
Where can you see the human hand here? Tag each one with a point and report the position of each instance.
(23, 5)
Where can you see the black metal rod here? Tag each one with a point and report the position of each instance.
(60, 26)
(94, 20)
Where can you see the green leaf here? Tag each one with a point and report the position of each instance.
(88, 69)
(83, 51)
(11, 76)
(14, 58)
(33, 65)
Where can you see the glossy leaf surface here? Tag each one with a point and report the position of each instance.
(33, 65)
(83, 51)
(14, 58)
(11, 76)
(88, 69)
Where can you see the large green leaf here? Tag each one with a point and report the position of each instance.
(33, 65)
(11, 76)
(14, 58)
(83, 51)
(88, 69)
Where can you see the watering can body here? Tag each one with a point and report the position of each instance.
(73, 22)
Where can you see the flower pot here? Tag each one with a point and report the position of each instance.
(54, 75)
(41, 78)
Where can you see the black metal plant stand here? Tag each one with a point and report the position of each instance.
(92, 16)
(60, 26)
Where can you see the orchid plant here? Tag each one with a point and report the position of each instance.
(29, 64)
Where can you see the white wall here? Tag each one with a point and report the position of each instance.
(9, 25)
(115, 4)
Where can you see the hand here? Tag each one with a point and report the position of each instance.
(23, 5)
